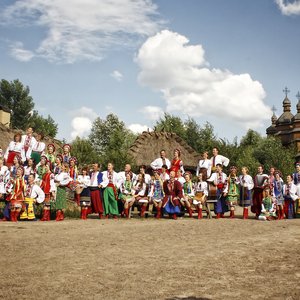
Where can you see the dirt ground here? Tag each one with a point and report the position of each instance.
(150, 259)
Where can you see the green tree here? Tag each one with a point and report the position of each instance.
(46, 126)
(16, 97)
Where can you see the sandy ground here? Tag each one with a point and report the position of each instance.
(150, 259)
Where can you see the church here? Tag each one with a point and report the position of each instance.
(287, 126)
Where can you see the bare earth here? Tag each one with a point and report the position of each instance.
(150, 259)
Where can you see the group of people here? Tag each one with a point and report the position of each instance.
(33, 174)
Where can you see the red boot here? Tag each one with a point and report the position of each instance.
(45, 215)
(77, 199)
(82, 213)
(62, 216)
(126, 212)
(12, 216)
(245, 213)
(189, 209)
(174, 216)
(143, 209)
(158, 214)
(58, 215)
(17, 213)
(199, 213)
(218, 216)
(232, 214)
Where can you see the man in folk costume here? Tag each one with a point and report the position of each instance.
(33, 194)
(204, 166)
(290, 196)
(219, 179)
(37, 149)
(4, 179)
(159, 162)
(66, 153)
(260, 181)
(218, 159)
(173, 194)
(188, 194)
(201, 194)
(156, 193)
(110, 194)
(28, 140)
(296, 179)
(233, 190)
(246, 186)
(95, 189)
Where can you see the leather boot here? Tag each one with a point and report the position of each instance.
(189, 209)
(58, 215)
(218, 216)
(126, 212)
(158, 214)
(199, 213)
(62, 216)
(143, 209)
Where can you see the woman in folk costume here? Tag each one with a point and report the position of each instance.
(126, 193)
(66, 153)
(14, 148)
(164, 174)
(278, 194)
(82, 189)
(51, 155)
(204, 166)
(201, 194)
(177, 163)
(49, 188)
(95, 190)
(233, 190)
(16, 164)
(58, 164)
(188, 193)
(290, 196)
(33, 194)
(268, 207)
(37, 149)
(156, 193)
(62, 180)
(110, 194)
(173, 194)
(29, 169)
(73, 171)
(4, 179)
(140, 193)
(271, 178)
(219, 179)
(16, 197)
(246, 186)
(296, 179)
(41, 168)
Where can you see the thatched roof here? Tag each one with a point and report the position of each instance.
(147, 146)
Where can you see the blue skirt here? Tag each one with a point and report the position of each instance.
(221, 205)
(171, 209)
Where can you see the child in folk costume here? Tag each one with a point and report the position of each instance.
(278, 194)
(156, 193)
(126, 193)
(177, 163)
(140, 194)
(33, 194)
(188, 194)
(246, 186)
(49, 188)
(51, 155)
(66, 153)
(16, 195)
(14, 148)
(110, 194)
(290, 196)
(82, 189)
(62, 180)
(4, 179)
(233, 190)
(219, 179)
(201, 194)
(29, 169)
(268, 206)
(36, 150)
(173, 194)
(296, 179)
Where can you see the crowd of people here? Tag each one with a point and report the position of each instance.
(33, 174)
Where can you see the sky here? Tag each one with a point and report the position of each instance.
(222, 62)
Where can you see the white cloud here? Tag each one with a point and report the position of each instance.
(117, 75)
(19, 53)
(82, 121)
(179, 71)
(289, 8)
(138, 128)
(152, 113)
(83, 29)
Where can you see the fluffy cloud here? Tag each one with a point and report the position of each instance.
(288, 8)
(138, 128)
(19, 53)
(82, 122)
(83, 29)
(117, 75)
(152, 113)
(179, 71)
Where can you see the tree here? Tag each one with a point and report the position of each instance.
(46, 126)
(16, 97)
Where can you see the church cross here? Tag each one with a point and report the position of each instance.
(286, 91)
(274, 109)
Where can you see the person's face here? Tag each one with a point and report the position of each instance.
(19, 173)
(259, 169)
(29, 130)
(218, 169)
(38, 137)
(17, 138)
(288, 178)
(267, 192)
(128, 177)
(84, 172)
(176, 153)
(178, 174)
(30, 162)
(215, 151)
(205, 155)
(72, 163)
(142, 170)
(187, 177)
(277, 177)
(298, 168)
(109, 167)
(156, 176)
(95, 167)
(200, 177)
(43, 161)
(47, 168)
(272, 170)
(31, 179)
(162, 154)
(16, 161)
(244, 171)
(57, 160)
(50, 150)
(127, 167)
(66, 149)
(172, 174)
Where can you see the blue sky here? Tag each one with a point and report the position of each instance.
(225, 62)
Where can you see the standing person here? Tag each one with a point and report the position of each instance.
(126, 194)
(95, 190)
(156, 193)
(204, 166)
(260, 181)
(164, 175)
(219, 179)
(51, 155)
(218, 159)
(233, 190)
(188, 194)
(110, 194)
(62, 180)
(17, 162)
(29, 169)
(4, 179)
(58, 164)
(177, 163)
(28, 140)
(290, 196)
(122, 175)
(296, 179)
(271, 179)
(268, 207)
(66, 153)
(159, 162)
(82, 189)
(278, 194)
(15, 148)
(173, 194)
(201, 194)
(246, 186)
(37, 149)
(140, 194)
(41, 168)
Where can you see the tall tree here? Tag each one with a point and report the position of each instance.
(46, 126)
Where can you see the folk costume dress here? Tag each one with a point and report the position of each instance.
(62, 180)
(27, 141)
(95, 193)
(290, 196)
(13, 149)
(36, 151)
(268, 209)
(156, 192)
(201, 194)
(176, 165)
(245, 190)
(110, 194)
(296, 178)
(126, 191)
(84, 182)
(204, 167)
(260, 181)
(4, 179)
(233, 193)
(48, 186)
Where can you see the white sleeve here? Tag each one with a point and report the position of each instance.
(225, 160)
(39, 194)
(154, 164)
